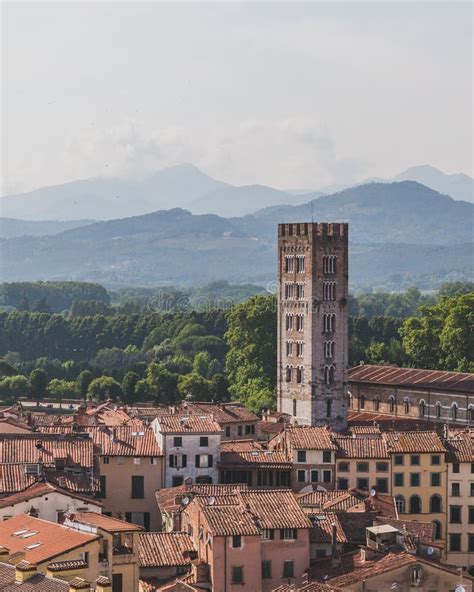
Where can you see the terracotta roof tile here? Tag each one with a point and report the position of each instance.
(125, 441)
(329, 500)
(34, 447)
(13, 479)
(273, 459)
(224, 413)
(106, 523)
(275, 508)
(160, 549)
(38, 583)
(321, 531)
(41, 489)
(422, 442)
(460, 448)
(240, 445)
(54, 539)
(229, 520)
(414, 377)
(368, 447)
(310, 438)
(166, 498)
(181, 424)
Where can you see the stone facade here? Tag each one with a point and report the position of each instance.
(312, 322)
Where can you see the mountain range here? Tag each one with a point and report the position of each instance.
(401, 234)
(185, 186)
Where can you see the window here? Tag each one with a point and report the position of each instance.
(400, 503)
(362, 467)
(177, 441)
(438, 410)
(472, 468)
(288, 379)
(398, 479)
(363, 483)
(455, 514)
(326, 476)
(268, 534)
(414, 459)
(288, 569)
(343, 467)
(204, 461)
(472, 490)
(249, 429)
(415, 505)
(435, 479)
(329, 291)
(438, 530)
(328, 408)
(422, 408)
(435, 504)
(299, 349)
(361, 402)
(329, 322)
(299, 291)
(239, 428)
(237, 574)
(314, 476)
(406, 405)
(301, 476)
(266, 569)
(329, 349)
(454, 542)
(456, 468)
(289, 534)
(138, 487)
(154, 460)
(470, 543)
(329, 372)
(299, 322)
(381, 467)
(435, 459)
(327, 456)
(343, 483)
(299, 374)
(289, 322)
(227, 432)
(301, 454)
(289, 264)
(289, 348)
(398, 459)
(454, 412)
(137, 460)
(178, 461)
(456, 489)
(391, 403)
(415, 575)
(103, 486)
(415, 479)
(105, 460)
(329, 264)
(177, 480)
(294, 407)
(471, 515)
(236, 541)
(300, 264)
(203, 441)
(376, 404)
(381, 485)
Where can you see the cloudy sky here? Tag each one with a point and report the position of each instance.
(285, 94)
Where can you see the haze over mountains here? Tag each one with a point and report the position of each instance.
(401, 234)
(185, 186)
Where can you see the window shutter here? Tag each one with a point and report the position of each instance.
(171, 460)
(185, 458)
(209, 460)
(146, 520)
(198, 461)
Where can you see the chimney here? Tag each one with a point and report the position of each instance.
(17, 557)
(334, 551)
(79, 585)
(4, 554)
(24, 571)
(103, 584)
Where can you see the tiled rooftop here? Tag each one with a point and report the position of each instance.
(40, 540)
(421, 442)
(38, 583)
(166, 497)
(125, 441)
(274, 459)
(224, 413)
(275, 508)
(410, 377)
(41, 489)
(182, 424)
(13, 479)
(34, 447)
(106, 523)
(310, 438)
(460, 448)
(373, 447)
(160, 549)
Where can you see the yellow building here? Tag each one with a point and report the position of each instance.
(118, 555)
(460, 510)
(419, 478)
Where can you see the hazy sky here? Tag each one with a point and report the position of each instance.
(286, 94)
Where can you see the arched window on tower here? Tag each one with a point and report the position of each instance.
(361, 402)
(376, 404)
(407, 406)
(294, 407)
(288, 374)
(438, 410)
(470, 413)
(299, 374)
(422, 408)
(454, 411)
(328, 409)
(391, 404)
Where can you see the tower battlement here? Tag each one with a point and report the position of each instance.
(312, 322)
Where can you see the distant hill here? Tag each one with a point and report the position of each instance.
(458, 185)
(12, 227)
(399, 232)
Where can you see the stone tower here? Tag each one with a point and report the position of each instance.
(312, 322)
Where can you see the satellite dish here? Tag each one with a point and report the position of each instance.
(430, 551)
(185, 501)
(373, 493)
(211, 500)
(460, 589)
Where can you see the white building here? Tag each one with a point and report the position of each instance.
(191, 447)
(46, 501)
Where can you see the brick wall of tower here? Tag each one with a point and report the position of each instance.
(325, 292)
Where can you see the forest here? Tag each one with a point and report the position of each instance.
(101, 349)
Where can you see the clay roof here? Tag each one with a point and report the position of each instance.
(31, 448)
(421, 442)
(14, 479)
(106, 523)
(41, 489)
(412, 377)
(229, 520)
(273, 459)
(184, 424)
(160, 549)
(166, 498)
(270, 427)
(275, 508)
(38, 583)
(224, 413)
(357, 430)
(321, 531)
(240, 445)
(23, 532)
(371, 447)
(67, 565)
(325, 500)
(423, 531)
(460, 448)
(310, 438)
(17, 423)
(125, 441)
